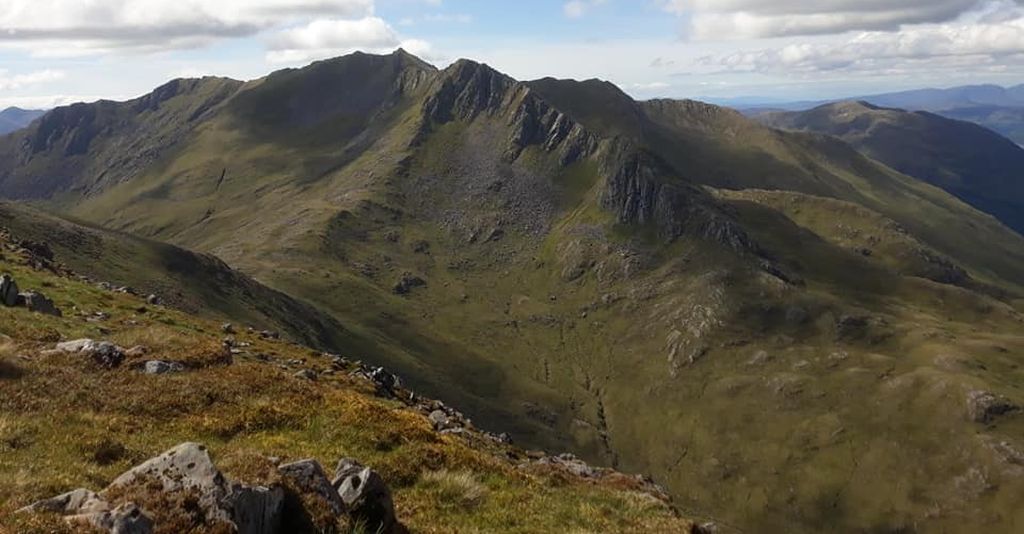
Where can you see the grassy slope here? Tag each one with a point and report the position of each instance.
(573, 330)
(249, 409)
(191, 282)
(971, 162)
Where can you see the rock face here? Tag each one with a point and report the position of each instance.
(366, 497)
(39, 303)
(8, 290)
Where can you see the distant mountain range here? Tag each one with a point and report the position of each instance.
(995, 107)
(13, 119)
(974, 163)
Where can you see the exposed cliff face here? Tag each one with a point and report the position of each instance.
(641, 190)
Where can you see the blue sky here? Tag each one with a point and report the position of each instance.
(59, 51)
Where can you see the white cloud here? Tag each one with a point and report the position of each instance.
(989, 37)
(739, 19)
(575, 9)
(77, 27)
(51, 101)
(327, 38)
(18, 81)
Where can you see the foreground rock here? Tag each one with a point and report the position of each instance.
(104, 353)
(183, 484)
(985, 407)
(8, 291)
(39, 303)
(366, 497)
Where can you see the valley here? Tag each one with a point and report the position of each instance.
(790, 335)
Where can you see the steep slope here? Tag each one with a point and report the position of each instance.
(977, 165)
(70, 422)
(77, 149)
(580, 269)
(195, 283)
(13, 119)
(1008, 121)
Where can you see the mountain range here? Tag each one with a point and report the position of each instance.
(973, 163)
(1000, 109)
(787, 330)
(12, 119)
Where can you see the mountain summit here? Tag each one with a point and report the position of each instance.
(786, 332)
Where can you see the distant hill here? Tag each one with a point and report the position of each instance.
(977, 165)
(997, 108)
(13, 119)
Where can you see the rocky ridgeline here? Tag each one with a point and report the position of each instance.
(356, 495)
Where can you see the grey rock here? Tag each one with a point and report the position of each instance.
(257, 510)
(439, 419)
(984, 407)
(104, 353)
(107, 355)
(136, 351)
(227, 328)
(125, 519)
(365, 495)
(306, 374)
(185, 467)
(8, 290)
(75, 502)
(309, 477)
(407, 283)
(158, 367)
(153, 300)
(74, 346)
(39, 303)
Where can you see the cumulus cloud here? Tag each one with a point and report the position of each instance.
(18, 81)
(990, 37)
(739, 19)
(75, 27)
(326, 38)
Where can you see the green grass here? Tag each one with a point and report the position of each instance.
(66, 424)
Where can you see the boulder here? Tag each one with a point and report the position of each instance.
(107, 355)
(306, 374)
(257, 510)
(8, 291)
(39, 303)
(77, 345)
(407, 282)
(439, 419)
(136, 352)
(79, 501)
(185, 467)
(984, 407)
(153, 300)
(158, 367)
(308, 477)
(125, 519)
(365, 496)
(104, 353)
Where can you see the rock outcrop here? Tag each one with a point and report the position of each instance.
(183, 482)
